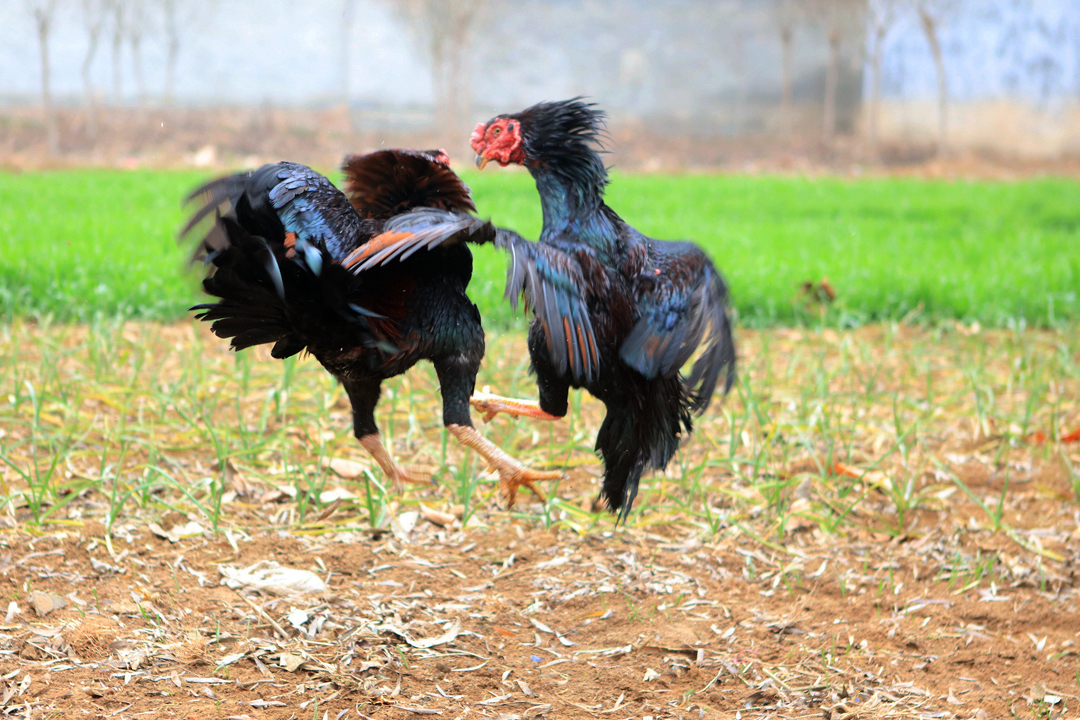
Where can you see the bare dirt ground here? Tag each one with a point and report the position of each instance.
(768, 574)
(509, 620)
(227, 138)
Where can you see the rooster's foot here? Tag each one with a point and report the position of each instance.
(398, 474)
(492, 405)
(512, 474)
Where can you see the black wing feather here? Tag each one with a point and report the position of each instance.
(676, 317)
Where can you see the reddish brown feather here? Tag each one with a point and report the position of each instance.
(377, 243)
(569, 345)
(388, 295)
(389, 182)
(584, 347)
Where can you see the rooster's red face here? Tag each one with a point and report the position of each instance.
(500, 140)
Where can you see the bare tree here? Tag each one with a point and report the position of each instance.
(728, 23)
(171, 25)
(94, 12)
(348, 10)
(839, 19)
(136, 28)
(176, 16)
(43, 13)
(786, 15)
(445, 28)
(881, 14)
(117, 9)
(932, 14)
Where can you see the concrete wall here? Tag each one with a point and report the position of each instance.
(1013, 75)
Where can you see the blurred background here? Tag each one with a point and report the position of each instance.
(741, 84)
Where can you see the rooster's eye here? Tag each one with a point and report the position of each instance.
(496, 131)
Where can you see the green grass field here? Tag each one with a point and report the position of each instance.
(854, 481)
(80, 243)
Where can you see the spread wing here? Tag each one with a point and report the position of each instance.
(272, 257)
(682, 307)
(421, 229)
(552, 283)
(550, 280)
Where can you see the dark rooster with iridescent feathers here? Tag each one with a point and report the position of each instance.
(651, 304)
(370, 281)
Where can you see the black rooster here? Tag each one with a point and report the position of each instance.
(297, 263)
(651, 303)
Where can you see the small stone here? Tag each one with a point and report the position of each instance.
(45, 603)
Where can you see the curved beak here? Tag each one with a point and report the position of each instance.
(481, 161)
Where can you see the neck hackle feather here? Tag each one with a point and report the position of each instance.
(566, 137)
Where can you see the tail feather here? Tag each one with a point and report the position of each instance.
(251, 310)
(642, 436)
(213, 195)
(265, 298)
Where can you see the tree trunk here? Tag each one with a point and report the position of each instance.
(88, 82)
(873, 117)
(117, 49)
(454, 91)
(832, 81)
(461, 21)
(437, 47)
(787, 47)
(442, 36)
(347, 8)
(929, 27)
(172, 51)
(738, 111)
(43, 20)
(137, 67)
(439, 79)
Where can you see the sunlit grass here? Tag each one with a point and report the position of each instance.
(82, 243)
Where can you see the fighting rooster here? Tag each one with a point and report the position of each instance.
(369, 281)
(650, 303)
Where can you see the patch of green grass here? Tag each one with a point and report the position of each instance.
(86, 242)
(80, 243)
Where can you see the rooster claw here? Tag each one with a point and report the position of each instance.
(512, 474)
(513, 478)
(394, 472)
(410, 474)
(484, 404)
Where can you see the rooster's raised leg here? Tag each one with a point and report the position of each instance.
(492, 405)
